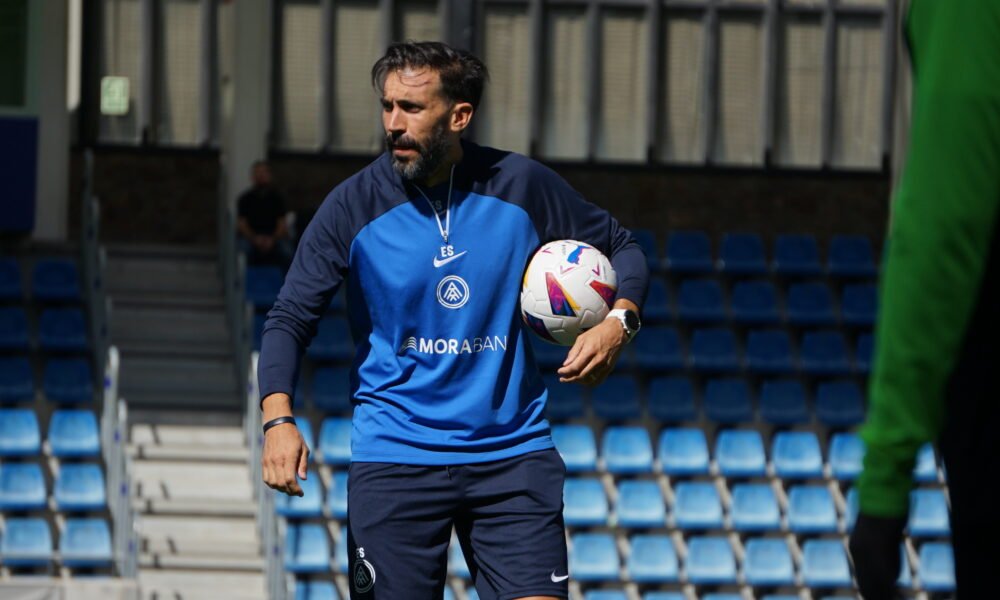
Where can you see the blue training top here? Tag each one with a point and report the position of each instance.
(444, 373)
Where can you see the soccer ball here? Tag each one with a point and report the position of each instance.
(567, 288)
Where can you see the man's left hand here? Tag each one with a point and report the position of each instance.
(593, 356)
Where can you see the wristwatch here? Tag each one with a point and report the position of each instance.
(630, 321)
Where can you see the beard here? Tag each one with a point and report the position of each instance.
(430, 154)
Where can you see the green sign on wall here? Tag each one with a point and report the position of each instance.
(114, 96)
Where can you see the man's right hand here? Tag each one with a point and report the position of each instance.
(285, 453)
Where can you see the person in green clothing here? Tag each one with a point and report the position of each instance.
(936, 374)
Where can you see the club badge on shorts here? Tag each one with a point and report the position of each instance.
(364, 573)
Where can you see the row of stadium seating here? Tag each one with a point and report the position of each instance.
(59, 330)
(79, 487)
(53, 280)
(72, 433)
(26, 542)
(64, 380)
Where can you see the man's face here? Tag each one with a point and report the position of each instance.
(261, 175)
(415, 116)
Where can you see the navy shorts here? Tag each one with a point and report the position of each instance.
(507, 514)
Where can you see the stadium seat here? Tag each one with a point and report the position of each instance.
(797, 455)
(689, 252)
(657, 348)
(341, 559)
(55, 280)
(584, 503)
(859, 304)
(307, 548)
(565, 400)
(640, 505)
(768, 563)
(85, 543)
(657, 306)
(25, 542)
(928, 514)
(336, 496)
(851, 256)
(647, 242)
(839, 404)
(937, 567)
(783, 402)
(335, 441)
(80, 487)
(742, 254)
(19, 433)
(331, 390)
(714, 350)
(13, 329)
(652, 559)
(10, 281)
(755, 303)
(796, 255)
(863, 353)
(722, 596)
(851, 508)
(593, 557)
(925, 469)
(73, 433)
(62, 330)
(671, 399)
(697, 506)
(309, 505)
(847, 451)
(727, 401)
(824, 353)
(306, 429)
(316, 590)
(740, 453)
(577, 447)
(617, 399)
(905, 579)
(824, 564)
(258, 330)
(683, 452)
(549, 356)
(332, 341)
(664, 596)
(262, 285)
(627, 450)
(16, 379)
(701, 301)
(457, 564)
(710, 561)
(22, 487)
(769, 352)
(605, 595)
(811, 510)
(68, 381)
(754, 508)
(809, 304)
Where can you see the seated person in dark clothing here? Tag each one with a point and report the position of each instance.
(264, 236)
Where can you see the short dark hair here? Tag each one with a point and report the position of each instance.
(463, 75)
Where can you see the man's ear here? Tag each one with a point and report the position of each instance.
(461, 116)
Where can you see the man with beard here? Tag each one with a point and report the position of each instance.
(448, 429)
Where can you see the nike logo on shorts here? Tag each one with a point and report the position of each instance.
(557, 579)
(443, 262)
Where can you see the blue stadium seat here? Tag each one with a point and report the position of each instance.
(847, 451)
(605, 595)
(584, 503)
(617, 399)
(788, 597)
(768, 563)
(851, 256)
(565, 400)
(697, 506)
(689, 252)
(664, 596)
(769, 352)
(796, 255)
(85, 543)
(928, 514)
(22, 487)
(10, 281)
(258, 330)
(811, 510)
(577, 447)
(728, 401)
(457, 564)
(701, 301)
(19, 433)
(26, 542)
(627, 450)
(336, 496)
(309, 505)
(863, 353)
(55, 280)
(332, 341)
(783, 402)
(937, 567)
(824, 353)
(722, 596)
(755, 303)
(549, 356)
(905, 579)
(341, 559)
(73, 433)
(68, 381)
(316, 590)
(62, 330)
(796, 455)
(714, 350)
(810, 304)
(683, 452)
(755, 508)
(640, 505)
(657, 348)
(652, 559)
(262, 285)
(657, 306)
(306, 429)
(593, 557)
(824, 564)
(925, 469)
(13, 329)
(331, 389)
(740, 453)
(710, 561)
(16, 379)
(671, 399)
(647, 242)
(851, 514)
(859, 304)
(335, 441)
(307, 548)
(80, 487)
(742, 254)
(839, 404)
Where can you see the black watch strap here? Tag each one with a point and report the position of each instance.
(278, 421)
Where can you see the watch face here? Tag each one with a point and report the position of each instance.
(631, 320)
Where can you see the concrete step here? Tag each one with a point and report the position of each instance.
(167, 299)
(196, 401)
(195, 507)
(170, 375)
(157, 452)
(153, 560)
(191, 481)
(152, 348)
(168, 324)
(240, 533)
(176, 274)
(204, 584)
(181, 434)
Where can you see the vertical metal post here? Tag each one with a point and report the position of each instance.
(829, 82)
(209, 72)
(654, 53)
(888, 80)
(460, 23)
(326, 102)
(147, 75)
(593, 75)
(772, 27)
(536, 69)
(710, 67)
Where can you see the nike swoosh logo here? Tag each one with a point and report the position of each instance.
(557, 579)
(442, 262)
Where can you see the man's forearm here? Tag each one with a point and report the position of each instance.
(276, 405)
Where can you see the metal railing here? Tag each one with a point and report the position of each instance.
(232, 267)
